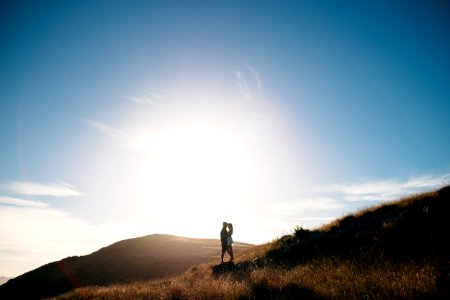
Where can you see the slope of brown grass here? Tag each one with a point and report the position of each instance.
(394, 251)
(319, 279)
(138, 259)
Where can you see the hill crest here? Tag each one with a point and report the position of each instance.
(4, 279)
(141, 258)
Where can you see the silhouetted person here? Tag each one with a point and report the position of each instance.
(224, 236)
(230, 241)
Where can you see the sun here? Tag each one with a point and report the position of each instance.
(194, 174)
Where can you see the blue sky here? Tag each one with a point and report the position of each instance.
(125, 118)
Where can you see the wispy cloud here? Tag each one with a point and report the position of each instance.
(38, 189)
(21, 202)
(139, 138)
(256, 78)
(310, 212)
(249, 83)
(318, 203)
(327, 203)
(106, 129)
(384, 190)
(147, 98)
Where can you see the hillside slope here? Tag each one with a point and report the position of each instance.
(4, 279)
(140, 258)
(409, 228)
(397, 250)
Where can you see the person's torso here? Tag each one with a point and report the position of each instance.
(223, 234)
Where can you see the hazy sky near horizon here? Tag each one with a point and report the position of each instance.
(125, 118)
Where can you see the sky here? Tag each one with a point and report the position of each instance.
(120, 119)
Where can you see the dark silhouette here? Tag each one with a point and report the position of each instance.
(224, 241)
(410, 228)
(230, 241)
(137, 259)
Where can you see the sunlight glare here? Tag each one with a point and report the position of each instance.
(194, 174)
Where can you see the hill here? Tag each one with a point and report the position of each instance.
(142, 258)
(398, 250)
(4, 279)
(408, 228)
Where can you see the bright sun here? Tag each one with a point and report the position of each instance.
(194, 174)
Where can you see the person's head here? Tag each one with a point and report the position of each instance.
(224, 224)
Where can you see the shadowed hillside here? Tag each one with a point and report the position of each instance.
(409, 228)
(3, 279)
(141, 258)
(398, 250)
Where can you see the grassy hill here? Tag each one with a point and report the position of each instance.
(142, 258)
(4, 279)
(398, 250)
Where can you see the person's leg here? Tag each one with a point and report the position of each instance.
(230, 252)
(224, 249)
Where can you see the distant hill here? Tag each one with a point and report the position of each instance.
(395, 250)
(4, 279)
(142, 258)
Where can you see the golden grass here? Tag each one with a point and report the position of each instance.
(330, 278)
(257, 251)
(366, 274)
(197, 283)
(334, 279)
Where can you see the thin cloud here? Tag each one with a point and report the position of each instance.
(387, 189)
(105, 129)
(319, 203)
(139, 138)
(249, 83)
(38, 189)
(123, 138)
(257, 79)
(147, 98)
(314, 207)
(283, 217)
(21, 202)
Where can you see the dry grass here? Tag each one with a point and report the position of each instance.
(197, 283)
(369, 272)
(335, 279)
(257, 251)
(329, 278)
